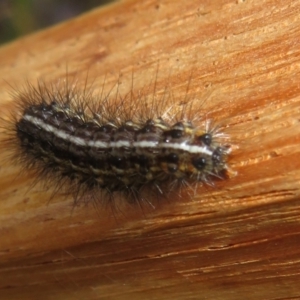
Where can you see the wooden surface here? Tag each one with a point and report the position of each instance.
(239, 240)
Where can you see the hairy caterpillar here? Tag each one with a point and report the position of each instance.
(97, 146)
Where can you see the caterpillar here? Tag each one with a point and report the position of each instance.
(98, 146)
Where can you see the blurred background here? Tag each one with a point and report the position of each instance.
(20, 17)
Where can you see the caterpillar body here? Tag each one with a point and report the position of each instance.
(91, 146)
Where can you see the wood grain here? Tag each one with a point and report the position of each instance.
(237, 240)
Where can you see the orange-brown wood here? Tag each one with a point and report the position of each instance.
(237, 240)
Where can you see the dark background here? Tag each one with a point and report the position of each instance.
(20, 17)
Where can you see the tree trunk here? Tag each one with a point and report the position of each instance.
(237, 239)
